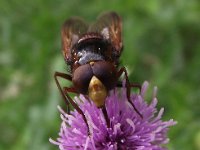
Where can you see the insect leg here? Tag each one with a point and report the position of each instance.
(66, 96)
(132, 85)
(73, 90)
(128, 88)
(106, 116)
(67, 77)
(69, 89)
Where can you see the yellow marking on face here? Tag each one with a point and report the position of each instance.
(97, 91)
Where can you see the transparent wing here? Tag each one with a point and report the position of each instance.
(71, 31)
(110, 26)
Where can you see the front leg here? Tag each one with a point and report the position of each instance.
(66, 96)
(67, 77)
(128, 88)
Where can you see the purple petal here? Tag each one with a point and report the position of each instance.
(127, 129)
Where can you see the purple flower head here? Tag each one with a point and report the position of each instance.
(127, 131)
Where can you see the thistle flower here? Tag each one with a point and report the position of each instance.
(127, 131)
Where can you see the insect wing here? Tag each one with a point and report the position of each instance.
(110, 26)
(71, 31)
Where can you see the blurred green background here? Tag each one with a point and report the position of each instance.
(161, 45)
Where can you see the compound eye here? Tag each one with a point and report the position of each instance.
(81, 78)
(106, 72)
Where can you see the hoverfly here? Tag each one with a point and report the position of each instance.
(92, 53)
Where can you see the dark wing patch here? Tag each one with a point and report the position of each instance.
(72, 30)
(110, 26)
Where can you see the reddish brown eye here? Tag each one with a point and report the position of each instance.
(106, 72)
(82, 77)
